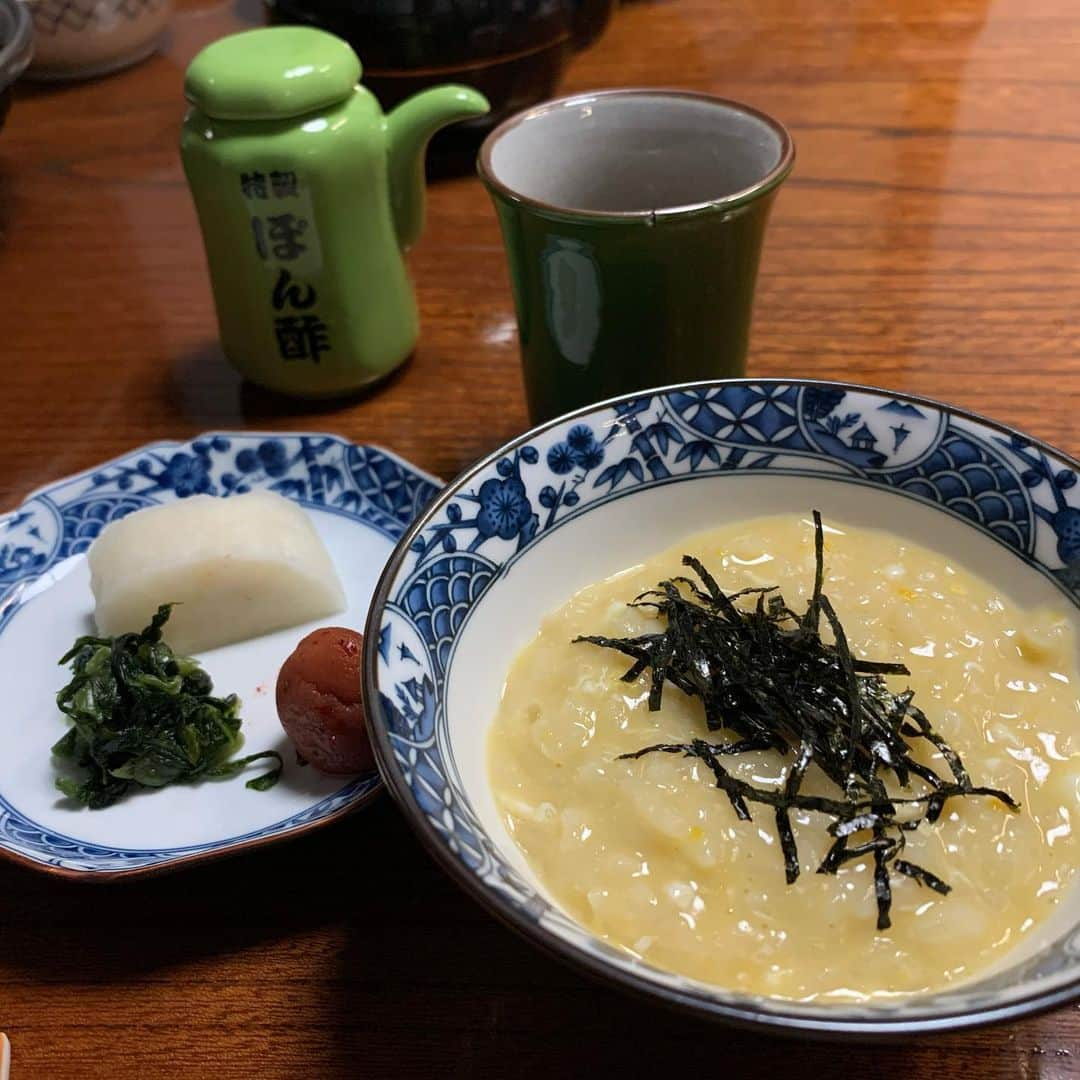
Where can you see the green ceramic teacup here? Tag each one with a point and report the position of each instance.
(633, 222)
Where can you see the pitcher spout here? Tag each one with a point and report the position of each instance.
(409, 128)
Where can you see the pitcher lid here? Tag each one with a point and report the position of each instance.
(271, 74)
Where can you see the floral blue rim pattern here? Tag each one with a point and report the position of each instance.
(363, 483)
(1020, 492)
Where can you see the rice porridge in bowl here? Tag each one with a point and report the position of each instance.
(710, 695)
(651, 856)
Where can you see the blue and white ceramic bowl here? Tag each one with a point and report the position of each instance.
(586, 495)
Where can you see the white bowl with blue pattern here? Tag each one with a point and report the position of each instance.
(592, 493)
(361, 499)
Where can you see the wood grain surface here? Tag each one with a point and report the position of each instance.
(927, 241)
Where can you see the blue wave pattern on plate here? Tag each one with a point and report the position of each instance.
(363, 483)
(1000, 482)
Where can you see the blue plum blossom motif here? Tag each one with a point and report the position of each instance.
(579, 451)
(560, 459)
(247, 460)
(591, 458)
(298, 469)
(580, 439)
(504, 508)
(217, 444)
(270, 458)
(186, 474)
(274, 457)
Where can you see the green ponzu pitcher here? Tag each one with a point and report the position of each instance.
(308, 197)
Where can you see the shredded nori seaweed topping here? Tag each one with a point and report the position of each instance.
(765, 676)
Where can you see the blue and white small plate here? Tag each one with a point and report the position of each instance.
(361, 500)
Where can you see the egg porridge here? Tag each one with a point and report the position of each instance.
(812, 761)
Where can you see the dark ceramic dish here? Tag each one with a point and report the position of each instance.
(16, 48)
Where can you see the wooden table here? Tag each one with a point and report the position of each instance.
(927, 241)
